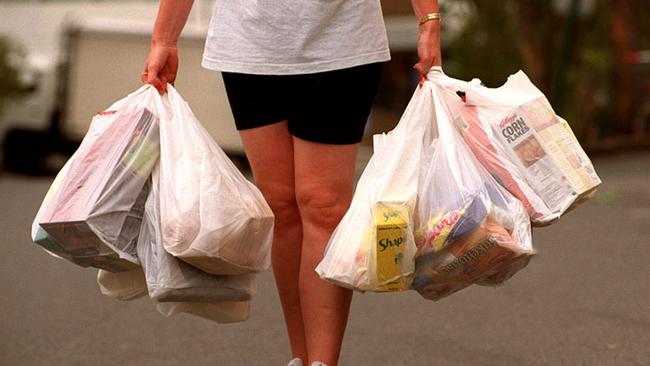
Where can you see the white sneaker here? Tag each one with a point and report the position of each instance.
(295, 362)
(318, 363)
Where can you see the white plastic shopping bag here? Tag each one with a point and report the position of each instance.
(171, 280)
(131, 284)
(519, 139)
(174, 286)
(470, 229)
(91, 213)
(212, 216)
(220, 311)
(372, 248)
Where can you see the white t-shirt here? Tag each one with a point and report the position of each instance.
(283, 37)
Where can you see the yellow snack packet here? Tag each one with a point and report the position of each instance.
(392, 224)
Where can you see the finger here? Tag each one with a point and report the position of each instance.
(166, 78)
(423, 67)
(162, 87)
(153, 72)
(422, 79)
(144, 76)
(171, 70)
(419, 68)
(156, 83)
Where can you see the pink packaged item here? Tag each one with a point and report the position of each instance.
(91, 214)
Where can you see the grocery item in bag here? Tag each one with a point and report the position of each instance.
(492, 157)
(170, 279)
(486, 254)
(437, 231)
(125, 286)
(91, 214)
(382, 259)
(212, 217)
(547, 153)
(515, 134)
(471, 230)
(392, 233)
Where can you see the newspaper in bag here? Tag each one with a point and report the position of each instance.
(373, 246)
(531, 151)
(91, 213)
(212, 216)
(470, 229)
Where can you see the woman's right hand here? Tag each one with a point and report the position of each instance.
(161, 67)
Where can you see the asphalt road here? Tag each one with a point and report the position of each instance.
(584, 300)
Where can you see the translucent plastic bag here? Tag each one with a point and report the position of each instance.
(212, 216)
(470, 229)
(131, 284)
(125, 286)
(170, 279)
(372, 248)
(91, 213)
(519, 139)
(220, 312)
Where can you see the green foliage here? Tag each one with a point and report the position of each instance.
(11, 60)
(485, 48)
(568, 55)
(589, 99)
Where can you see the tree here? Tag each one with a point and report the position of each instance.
(11, 60)
(577, 59)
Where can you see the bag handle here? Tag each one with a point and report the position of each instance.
(159, 104)
(179, 107)
(517, 89)
(448, 136)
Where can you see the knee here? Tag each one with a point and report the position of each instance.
(282, 201)
(322, 207)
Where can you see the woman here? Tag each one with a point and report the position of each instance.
(300, 76)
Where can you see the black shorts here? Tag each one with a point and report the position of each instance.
(329, 107)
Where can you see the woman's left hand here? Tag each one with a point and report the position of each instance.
(428, 47)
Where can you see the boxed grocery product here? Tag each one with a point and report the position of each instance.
(486, 253)
(515, 134)
(547, 154)
(494, 158)
(91, 215)
(392, 226)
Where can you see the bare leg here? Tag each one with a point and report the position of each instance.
(324, 185)
(270, 152)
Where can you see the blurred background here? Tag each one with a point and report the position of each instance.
(584, 299)
(591, 58)
(62, 61)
